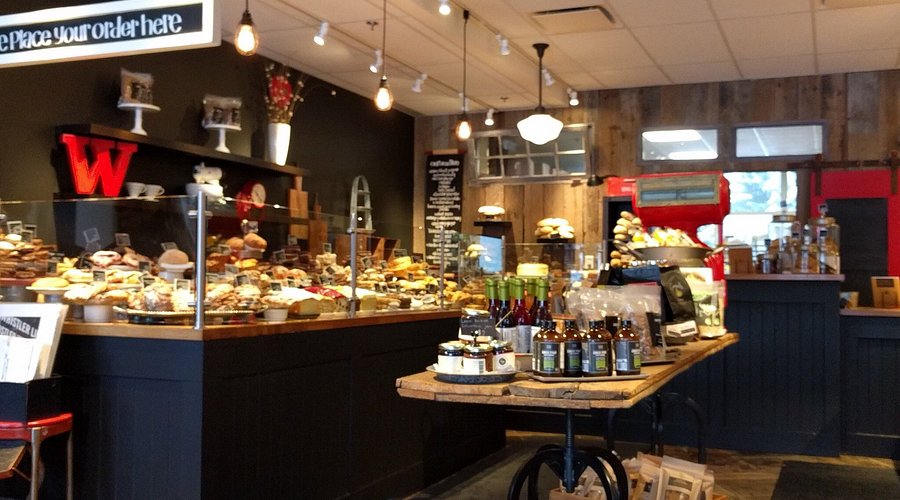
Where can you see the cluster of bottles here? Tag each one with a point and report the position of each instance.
(518, 306)
(797, 248)
(596, 352)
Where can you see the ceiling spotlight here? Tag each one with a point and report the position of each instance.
(444, 8)
(417, 85)
(573, 97)
(504, 45)
(489, 118)
(548, 78)
(246, 38)
(378, 62)
(540, 128)
(320, 36)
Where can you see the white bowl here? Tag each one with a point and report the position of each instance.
(214, 191)
(276, 314)
(98, 313)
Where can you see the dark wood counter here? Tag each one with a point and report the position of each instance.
(302, 409)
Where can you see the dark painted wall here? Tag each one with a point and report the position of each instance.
(334, 137)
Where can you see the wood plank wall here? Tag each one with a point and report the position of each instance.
(860, 111)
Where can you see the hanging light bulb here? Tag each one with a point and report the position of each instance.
(319, 39)
(573, 97)
(384, 99)
(463, 127)
(489, 118)
(444, 8)
(246, 38)
(540, 128)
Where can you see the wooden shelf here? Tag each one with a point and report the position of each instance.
(201, 152)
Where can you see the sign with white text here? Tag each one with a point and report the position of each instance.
(106, 29)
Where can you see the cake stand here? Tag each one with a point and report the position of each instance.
(222, 128)
(138, 109)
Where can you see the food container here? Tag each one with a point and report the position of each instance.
(504, 356)
(826, 237)
(450, 357)
(271, 314)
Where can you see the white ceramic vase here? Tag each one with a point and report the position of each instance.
(279, 142)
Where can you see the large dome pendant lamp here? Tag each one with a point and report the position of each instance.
(540, 128)
(384, 98)
(463, 127)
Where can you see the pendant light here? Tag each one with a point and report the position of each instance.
(384, 99)
(246, 38)
(463, 127)
(540, 128)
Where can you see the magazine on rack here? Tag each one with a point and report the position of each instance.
(29, 336)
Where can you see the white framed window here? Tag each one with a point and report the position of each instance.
(681, 144)
(778, 141)
(503, 156)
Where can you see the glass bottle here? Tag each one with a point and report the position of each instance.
(546, 353)
(520, 316)
(542, 306)
(506, 326)
(571, 349)
(627, 347)
(530, 295)
(490, 293)
(596, 350)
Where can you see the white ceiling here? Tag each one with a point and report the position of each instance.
(648, 43)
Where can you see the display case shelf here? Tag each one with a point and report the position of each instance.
(200, 152)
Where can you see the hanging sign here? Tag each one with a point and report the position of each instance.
(443, 208)
(106, 29)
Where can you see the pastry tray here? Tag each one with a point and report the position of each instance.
(466, 378)
(607, 378)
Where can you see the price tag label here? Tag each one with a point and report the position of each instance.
(241, 279)
(400, 252)
(250, 226)
(147, 281)
(417, 257)
(431, 288)
(32, 228)
(169, 245)
(181, 284)
(231, 269)
(382, 264)
(52, 266)
(91, 235)
(57, 256)
(367, 262)
(15, 227)
(222, 249)
(326, 247)
(98, 275)
(290, 283)
(83, 261)
(275, 286)
(123, 240)
(278, 256)
(325, 279)
(27, 235)
(292, 240)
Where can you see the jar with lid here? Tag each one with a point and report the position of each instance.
(596, 352)
(504, 356)
(475, 360)
(826, 238)
(450, 357)
(781, 235)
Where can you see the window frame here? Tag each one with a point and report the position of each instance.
(639, 147)
(733, 137)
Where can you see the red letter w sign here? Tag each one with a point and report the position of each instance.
(111, 173)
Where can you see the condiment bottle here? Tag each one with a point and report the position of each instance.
(520, 316)
(571, 349)
(596, 350)
(490, 293)
(504, 359)
(627, 347)
(506, 326)
(546, 352)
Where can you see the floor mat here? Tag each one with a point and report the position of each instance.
(800, 480)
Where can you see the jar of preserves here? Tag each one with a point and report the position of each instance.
(504, 356)
(450, 357)
(475, 360)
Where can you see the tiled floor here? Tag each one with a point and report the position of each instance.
(740, 476)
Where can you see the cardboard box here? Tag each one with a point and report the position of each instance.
(34, 400)
(740, 260)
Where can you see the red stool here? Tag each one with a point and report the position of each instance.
(34, 433)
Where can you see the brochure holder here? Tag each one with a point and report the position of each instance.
(32, 400)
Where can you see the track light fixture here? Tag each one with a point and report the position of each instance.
(320, 36)
(246, 38)
(444, 8)
(548, 78)
(384, 98)
(489, 118)
(573, 97)
(417, 85)
(504, 45)
(540, 128)
(379, 61)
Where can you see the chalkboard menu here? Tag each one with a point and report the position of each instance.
(443, 208)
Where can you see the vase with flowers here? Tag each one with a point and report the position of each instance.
(281, 97)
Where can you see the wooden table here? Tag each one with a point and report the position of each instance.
(567, 462)
(523, 391)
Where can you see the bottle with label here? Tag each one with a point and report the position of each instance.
(546, 353)
(490, 293)
(541, 305)
(596, 350)
(520, 316)
(530, 295)
(627, 349)
(571, 349)
(506, 326)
